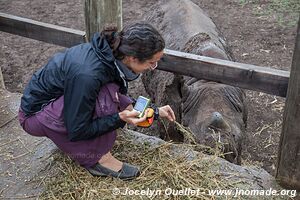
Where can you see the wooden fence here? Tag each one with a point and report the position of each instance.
(263, 79)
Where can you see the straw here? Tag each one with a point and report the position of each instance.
(160, 170)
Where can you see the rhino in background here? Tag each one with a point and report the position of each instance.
(214, 112)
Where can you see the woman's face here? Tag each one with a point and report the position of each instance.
(138, 67)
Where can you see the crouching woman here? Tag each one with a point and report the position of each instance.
(78, 99)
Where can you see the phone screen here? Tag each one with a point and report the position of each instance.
(140, 104)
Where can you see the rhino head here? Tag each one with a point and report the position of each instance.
(216, 114)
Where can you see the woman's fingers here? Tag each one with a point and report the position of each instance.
(172, 114)
(132, 113)
(135, 121)
(131, 116)
(166, 111)
(127, 115)
(138, 120)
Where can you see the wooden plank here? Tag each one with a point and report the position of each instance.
(246, 76)
(99, 13)
(288, 165)
(40, 31)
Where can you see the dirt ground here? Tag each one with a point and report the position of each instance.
(254, 39)
(259, 40)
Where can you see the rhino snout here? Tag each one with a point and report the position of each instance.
(217, 122)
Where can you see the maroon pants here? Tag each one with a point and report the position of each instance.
(49, 123)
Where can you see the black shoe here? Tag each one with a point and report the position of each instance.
(127, 171)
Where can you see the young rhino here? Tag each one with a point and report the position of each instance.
(216, 113)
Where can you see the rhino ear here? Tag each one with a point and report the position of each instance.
(217, 121)
(185, 88)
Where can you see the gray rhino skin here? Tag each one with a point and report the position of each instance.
(216, 113)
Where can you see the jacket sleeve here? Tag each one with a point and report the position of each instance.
(80, 96)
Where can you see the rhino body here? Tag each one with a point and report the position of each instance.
(216, 113)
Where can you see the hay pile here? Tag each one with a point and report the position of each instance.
(160, 170)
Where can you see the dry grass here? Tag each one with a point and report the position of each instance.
(189, 138)
(188, 135)
(160, 170)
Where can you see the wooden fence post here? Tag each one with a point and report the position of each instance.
(2, 85)
(288, 163)
(98, 13)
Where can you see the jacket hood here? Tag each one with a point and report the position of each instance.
(128, 74)
(102, 48)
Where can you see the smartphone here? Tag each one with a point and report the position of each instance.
(141, 105)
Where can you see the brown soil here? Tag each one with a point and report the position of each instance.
(254, 39)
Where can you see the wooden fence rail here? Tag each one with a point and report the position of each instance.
(246, 76)
(44, 32)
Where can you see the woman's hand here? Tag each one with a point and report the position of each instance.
(130, 117)
(167, 112)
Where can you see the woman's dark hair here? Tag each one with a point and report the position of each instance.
(140, 40)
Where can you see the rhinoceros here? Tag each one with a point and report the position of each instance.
(216, 113)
